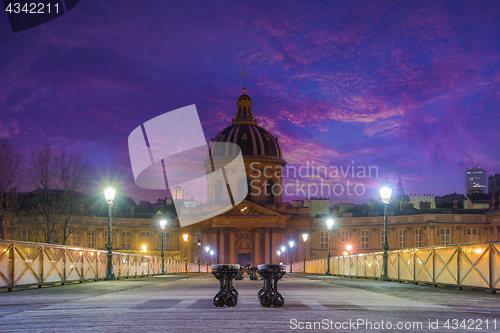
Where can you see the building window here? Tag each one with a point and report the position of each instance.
(344, 236)
(25, 235)
(382, 239)
(471, 235)
(167, 240)
(402, 238)
(145, 237)
(418, 237)
(105, 238)
(76, 238)
(365, 239)
(126, 240)
(91, 239)
(445, 234)
(323, 239)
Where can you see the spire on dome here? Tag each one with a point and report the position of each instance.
(244, 103)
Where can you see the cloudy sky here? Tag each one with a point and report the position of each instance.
(410, 87)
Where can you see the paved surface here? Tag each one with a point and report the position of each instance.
(183, 303)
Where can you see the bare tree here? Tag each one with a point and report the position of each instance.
(10, 169)
(57, 181)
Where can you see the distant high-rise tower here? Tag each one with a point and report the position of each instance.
(475, 179)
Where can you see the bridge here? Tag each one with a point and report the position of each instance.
(421, 296)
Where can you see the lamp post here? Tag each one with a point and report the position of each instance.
(329, 225)
(291, 243)
(207, 249)
(279, 255)
(283, 249)
(304, 237)
(385, 194)
(163, 223)
(199, 263)
(185, 237)
(109, 194)
(211, 254)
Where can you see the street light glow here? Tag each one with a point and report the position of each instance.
(185, 237)
(163, 223)
(109, 194)
(385, 194)
(329, 223)
(283, 249)
(348, 247)
(279, 253)
(304, 237)
(212, 252)
(144, 248)
(207, 249)
(291, 243)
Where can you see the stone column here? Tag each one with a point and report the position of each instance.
(256, 260)
(232, 255)
(267, 246)
(222, 255)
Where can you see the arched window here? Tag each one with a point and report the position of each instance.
(269, 191)
(218, 192)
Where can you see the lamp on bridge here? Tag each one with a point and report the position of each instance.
(304, 237)
(349, 248)
(283, 249)
(329, 225)
(291, 244)
(199, 263)
(163, 224)
(279, 255)
(207, 249)
(385, 194)
(185, 237)
(211, 254)
(109, 194)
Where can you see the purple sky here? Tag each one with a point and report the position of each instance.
(406, 86)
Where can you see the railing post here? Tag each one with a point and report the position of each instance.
(459, 253)
(492, 276)
(12, 266)
(40, 282)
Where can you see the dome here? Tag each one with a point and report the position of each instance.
(244, 131)
(252, 139)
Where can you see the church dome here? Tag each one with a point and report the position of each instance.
(244, 131)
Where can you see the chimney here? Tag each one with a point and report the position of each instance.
(455, 206)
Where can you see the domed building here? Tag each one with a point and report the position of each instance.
(262, 156)
(259, 222)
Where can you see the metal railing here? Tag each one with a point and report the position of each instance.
(26, 264)
(464, 265)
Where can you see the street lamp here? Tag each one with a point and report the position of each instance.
(185, 237)
(163, 223)
(329, 225)
(199, 263)
(279, 255)
(207, 249)
(349, 248)
(291, 243)
(109, 194)
(385, 194)
(304, 237)
(211, 254)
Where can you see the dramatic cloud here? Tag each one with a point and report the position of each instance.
(412, 88)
